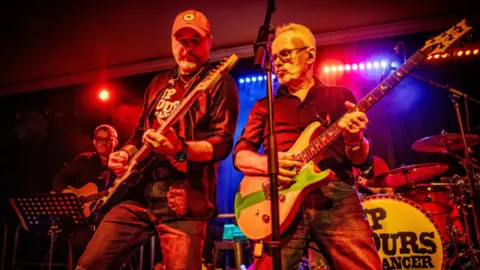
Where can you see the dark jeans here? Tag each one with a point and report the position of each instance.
(127, 226)
(333, 218)
(79, 240)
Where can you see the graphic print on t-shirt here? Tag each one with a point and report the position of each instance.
(168, 101)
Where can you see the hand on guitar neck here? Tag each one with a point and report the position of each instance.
(352, 124)
(167, 143)
(117, 162)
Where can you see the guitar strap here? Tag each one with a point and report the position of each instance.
(169, 81)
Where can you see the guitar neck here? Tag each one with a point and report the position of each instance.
(175, 116)
(95, 197)
(333, 132)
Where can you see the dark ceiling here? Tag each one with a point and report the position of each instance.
(47, 39)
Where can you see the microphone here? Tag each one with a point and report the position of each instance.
(397, 47)
(386, 71)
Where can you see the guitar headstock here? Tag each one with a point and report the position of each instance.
(445, 41)
(216, 73)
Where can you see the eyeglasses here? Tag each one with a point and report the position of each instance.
(286, 54)
(104, 140)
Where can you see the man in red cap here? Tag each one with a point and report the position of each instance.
(176, 196)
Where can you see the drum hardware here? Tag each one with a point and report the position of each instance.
(445, 143)
(463, 141)
(467, 140)
(407, 175)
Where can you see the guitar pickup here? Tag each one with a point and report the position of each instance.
(266, 190)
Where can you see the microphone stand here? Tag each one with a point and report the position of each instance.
(473, 236)
(262, 60)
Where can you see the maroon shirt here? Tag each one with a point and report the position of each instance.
(292, 116)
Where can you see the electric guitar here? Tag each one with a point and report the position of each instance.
(252, 200)
(144, 157)
(87, 194)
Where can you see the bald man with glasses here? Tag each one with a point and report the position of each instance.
(331, 215)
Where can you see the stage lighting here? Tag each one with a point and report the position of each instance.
(104, 95)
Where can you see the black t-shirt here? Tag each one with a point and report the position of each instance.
(86, 167)
(168, 101)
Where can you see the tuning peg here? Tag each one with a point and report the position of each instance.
(470, 37)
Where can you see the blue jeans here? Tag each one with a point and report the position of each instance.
(127, 226)
(333, 218)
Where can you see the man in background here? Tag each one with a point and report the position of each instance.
(87, 167)
(88, 170)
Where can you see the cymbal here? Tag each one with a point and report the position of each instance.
(407, 175)
(442, 143)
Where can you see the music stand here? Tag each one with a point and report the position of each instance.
(50, 212)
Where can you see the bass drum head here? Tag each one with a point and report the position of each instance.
(405, 236)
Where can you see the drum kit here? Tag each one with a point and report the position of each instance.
(427, 221)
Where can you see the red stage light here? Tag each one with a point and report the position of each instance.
(104, 95)
(475, 51)
(460, 53)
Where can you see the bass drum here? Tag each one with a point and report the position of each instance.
(406, 237)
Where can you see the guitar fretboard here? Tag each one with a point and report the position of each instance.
(95, 197)
(333, 132)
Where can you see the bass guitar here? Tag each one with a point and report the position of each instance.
(144, 157)
(252, 204)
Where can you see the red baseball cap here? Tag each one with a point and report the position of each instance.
(192, 19)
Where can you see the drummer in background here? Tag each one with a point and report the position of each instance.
(378, 167)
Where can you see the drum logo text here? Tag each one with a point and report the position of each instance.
(402, 249)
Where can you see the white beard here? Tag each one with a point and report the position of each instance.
(188, 67)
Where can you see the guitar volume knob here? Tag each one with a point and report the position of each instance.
(266, 218)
